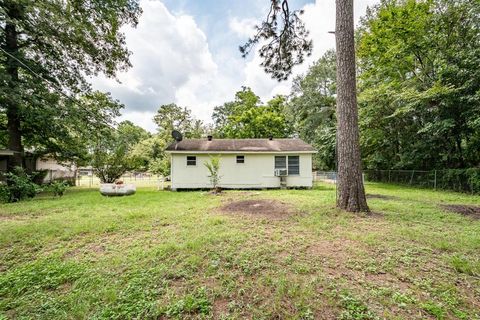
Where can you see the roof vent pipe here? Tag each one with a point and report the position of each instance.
(209, 138)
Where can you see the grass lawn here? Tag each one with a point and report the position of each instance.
(161, 254)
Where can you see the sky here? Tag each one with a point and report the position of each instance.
(186, 52)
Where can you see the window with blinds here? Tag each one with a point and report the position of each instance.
(293, 165)
(280, 162)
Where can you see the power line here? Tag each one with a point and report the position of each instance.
(55, 86)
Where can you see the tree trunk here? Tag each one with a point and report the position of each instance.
(351, 193)
(12, 104)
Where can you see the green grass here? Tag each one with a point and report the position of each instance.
(161, 254)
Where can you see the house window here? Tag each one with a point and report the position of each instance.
(292, 161)
(191, 160)
(293, 165)
(280, 162)
(240, 159)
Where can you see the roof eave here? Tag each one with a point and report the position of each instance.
(239, 151)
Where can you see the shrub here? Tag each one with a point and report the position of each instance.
(213, 167)
(58, 188)
(4, 193)
(69, 181)
(464, 180)
(39, 176)
(19, 186)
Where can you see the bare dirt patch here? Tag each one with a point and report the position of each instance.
(260, 207)
(466, 210)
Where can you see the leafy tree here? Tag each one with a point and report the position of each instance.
(69, 135)
(149, 152)
(246, 117)
(47, 49)
(171, 117)
(312, 109)
(160, 166)
(111, 156)
(285, 46)
(420, 102)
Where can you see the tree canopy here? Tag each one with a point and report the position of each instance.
(48, 49)
(247, 117)
(420, 84)
(312, 109)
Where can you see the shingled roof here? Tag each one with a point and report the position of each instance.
(242, 145)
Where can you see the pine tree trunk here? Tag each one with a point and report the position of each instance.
(351, 193)
(13, 117)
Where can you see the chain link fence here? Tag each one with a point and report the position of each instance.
(460, 180)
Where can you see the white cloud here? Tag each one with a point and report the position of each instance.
(319, 18)
(244, 28)
(172, 60)
(170, 56)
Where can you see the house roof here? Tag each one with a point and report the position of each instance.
(241, 145)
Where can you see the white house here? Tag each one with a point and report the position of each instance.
(244, 163)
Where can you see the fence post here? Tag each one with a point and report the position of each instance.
(435, 181)
(388, 176)
(411, 177)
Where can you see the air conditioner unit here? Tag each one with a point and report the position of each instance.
(281, 172)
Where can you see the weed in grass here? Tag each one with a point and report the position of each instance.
(87, 257)
(194, 303)
(354, 309)
(464, 265)
(433, 309)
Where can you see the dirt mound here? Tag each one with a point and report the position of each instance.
(259, 207)
(466, 210)
(380, 196)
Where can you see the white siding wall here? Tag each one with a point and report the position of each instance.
(52, 164)
(256, 172)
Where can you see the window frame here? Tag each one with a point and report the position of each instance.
(287, 167)
(297, 173)
(189, 160)
(242, 159)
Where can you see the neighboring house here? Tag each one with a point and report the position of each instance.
(4, 155)
(55, 170)
(244, 164)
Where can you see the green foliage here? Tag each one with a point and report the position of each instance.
(34, 280)
(312, 109)
(353, 309)
(160, 166)
(284, 38)
(58, 188)
(19, 186)
(108, 260)
(59, 45)
(44, 274)
(419, 84)
(39, 176)
(149, 154)
(171, 117)
(213, 167)
(246, 117)
(464, 265)
(460, 180)
(111, 156)
(195, 303)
